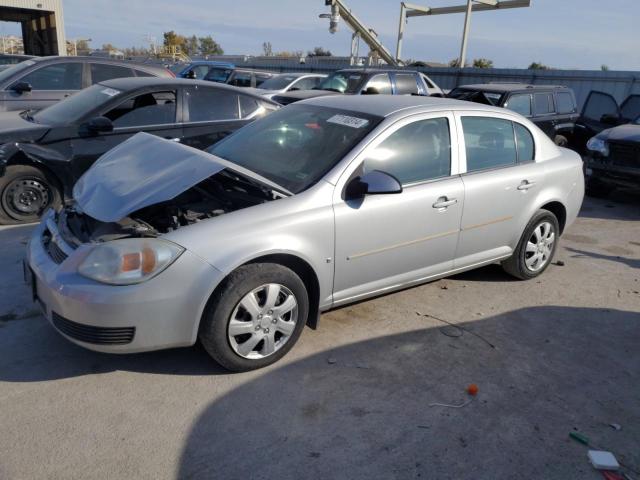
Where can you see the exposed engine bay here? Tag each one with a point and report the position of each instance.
(221, 193)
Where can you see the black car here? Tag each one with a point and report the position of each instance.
(600, 112)
(39, 82)
(613, 160)
(358, 81)
(551, 107)
(43, 154)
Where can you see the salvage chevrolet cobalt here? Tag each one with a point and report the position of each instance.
(322, 203)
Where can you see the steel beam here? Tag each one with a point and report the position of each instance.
(478, 7)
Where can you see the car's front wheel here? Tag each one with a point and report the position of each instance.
(255, 317)
(536, 248)
(25, 193)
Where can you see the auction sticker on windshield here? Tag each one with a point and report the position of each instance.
(348, 121)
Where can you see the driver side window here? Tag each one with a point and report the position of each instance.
(154, 108)
(417, 152)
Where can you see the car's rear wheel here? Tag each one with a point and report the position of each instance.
(536, 248)
(597, 188)
(561, 141)
(25, 193)
(256, 317)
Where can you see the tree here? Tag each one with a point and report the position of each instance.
(172, 39)
(82, 47)
(208, 46)
(288, 54)
(319, 52)
(192, 45)
(482, 63)
(455, 63)
(604, 68)
(107, 47)
(537, 66)
(267, 50)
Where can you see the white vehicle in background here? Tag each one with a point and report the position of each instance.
(288, 82)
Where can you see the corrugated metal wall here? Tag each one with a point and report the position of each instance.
(619, 84)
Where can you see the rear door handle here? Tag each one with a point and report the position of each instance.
(444, 202)
(526, 185)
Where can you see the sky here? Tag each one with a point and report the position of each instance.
(572, 34)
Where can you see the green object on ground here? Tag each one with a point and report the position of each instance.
(579, 438)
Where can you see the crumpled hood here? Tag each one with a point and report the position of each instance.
(145, 170)
(627, 133)
(14, 128)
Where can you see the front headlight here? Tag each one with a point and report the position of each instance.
(599, 145)
(129, 261)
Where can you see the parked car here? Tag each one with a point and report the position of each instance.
(320, 204)
(613, 160)
(40, 82)
(200, 69)
(600, 112)
(358, 81)
(238, 77)
(12, 59)
(43, 154)
(551, 107)
(288, 82)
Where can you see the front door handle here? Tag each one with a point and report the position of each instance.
(526, 185)
(444, 202)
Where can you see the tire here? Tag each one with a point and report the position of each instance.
(597, 189)
(561, 141)
(229, 331)
(520, 263)
(26, 192)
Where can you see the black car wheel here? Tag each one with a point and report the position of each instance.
(25, 193)
(255, 317)
(561, 141)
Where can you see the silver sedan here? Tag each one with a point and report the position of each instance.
(323, 203)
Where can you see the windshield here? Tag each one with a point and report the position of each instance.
(478, 96)
(296, 146)
(177, 67)
(220, 75)
(343, 82)
(13, 69)
(76, 106)
(278, 82)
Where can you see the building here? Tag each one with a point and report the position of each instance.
(42, 24)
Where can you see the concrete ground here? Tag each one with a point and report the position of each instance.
(352, 400)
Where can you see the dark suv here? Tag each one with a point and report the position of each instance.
(552, 108)
(37, 83)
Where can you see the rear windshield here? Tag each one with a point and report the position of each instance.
(278, 82)
(478, 96)
(342, 82)
(297, 145)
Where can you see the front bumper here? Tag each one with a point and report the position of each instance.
(606, 171)
(162, 312)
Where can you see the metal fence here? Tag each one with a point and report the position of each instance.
(620, 84)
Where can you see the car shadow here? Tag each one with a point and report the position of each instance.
(620, 205)
(365, 410)
(630, 262)
(488, 273)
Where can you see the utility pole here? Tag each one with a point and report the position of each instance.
(465, 32)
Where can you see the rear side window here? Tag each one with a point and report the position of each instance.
(520, 104)
(380, 83)
(60, 76)
(565, 102)
(406, 84)
(489, 143)
(240, 79)
(599, 104)
(209, 104)
(542, 103)
(414, 153)
(524, 142)
(101, 72)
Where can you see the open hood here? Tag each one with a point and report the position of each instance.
(145, 170)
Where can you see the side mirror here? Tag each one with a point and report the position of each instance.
(191, 74)
(610, 119)
(21, 87)
(374, 182)
(371, 91)
(99, 125)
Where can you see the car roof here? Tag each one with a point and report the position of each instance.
(95, 59)
(300, 74)
(376, 70)
(509, 87)
(133, 83)
(214, 63)
(386, 105)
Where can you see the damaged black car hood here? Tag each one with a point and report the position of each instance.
(624, 133)
(146, 170)
(14, 127)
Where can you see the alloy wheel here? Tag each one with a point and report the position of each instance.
(263, 321)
